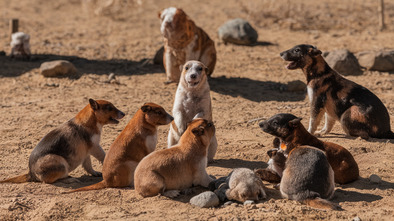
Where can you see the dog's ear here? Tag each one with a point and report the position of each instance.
(146, 108)
(198, 131)
(272, 152)
(93, 104)
(295, 122)
(206, 70)
(314, 51)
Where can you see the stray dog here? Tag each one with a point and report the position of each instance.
(360, 112)
(192, 100)
(308, 178)
(182, 166)
(137, 140)
(276, 164)
(184, 41)
(20, 45)
(241, 184)
(71, 144)
(289, 129)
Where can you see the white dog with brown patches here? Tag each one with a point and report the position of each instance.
(192, 100)
(184, 41)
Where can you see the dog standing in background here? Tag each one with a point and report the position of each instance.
(184, 41)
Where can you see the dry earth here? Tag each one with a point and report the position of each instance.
(245, 85)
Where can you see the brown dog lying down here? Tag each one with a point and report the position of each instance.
(184, 41)
(138, 139)
(71, 144)
(360, 112)
(289, 129)
(241, 184)
(170, 170)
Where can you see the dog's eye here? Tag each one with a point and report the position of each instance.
(297, 50)
(186, 68)
(109, 108)
(199, 69)
(209, 125)
(158, 112)
(275, 123)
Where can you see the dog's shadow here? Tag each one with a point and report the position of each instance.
(344, 136)
(253, 90)
(365, 184)
(71, 183)
(353, 196)
(238, 163)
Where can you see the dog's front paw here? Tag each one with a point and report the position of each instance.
(171, 193)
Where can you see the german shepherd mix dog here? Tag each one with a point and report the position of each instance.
(137, 140)
(360, 112)
(289, 129)
(71, 144)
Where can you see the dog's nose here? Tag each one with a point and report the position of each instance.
(281, 54)
(193, 76)
(171, 117)
(261, 124)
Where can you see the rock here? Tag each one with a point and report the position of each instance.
(57, 68)
(238, 31)
(296, 86)
(375, 179)
(248, 202)
(344, 62)
(158, 59)
(228, 203)
(377, 60)
(205, 200)
(356, 218)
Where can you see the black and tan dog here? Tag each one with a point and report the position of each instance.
(289, 129)
(360, 112)
(71, 144)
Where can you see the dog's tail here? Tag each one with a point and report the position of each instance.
(18, 179)
(320, 203)
(96, 186)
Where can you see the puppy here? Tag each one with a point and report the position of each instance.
(184, 41)
(276, 165)
(137, 140)
(182, 166)
(289, 129)
(360, 112)
(71, 144)
(308, 178)
(243, 185)
(192, 99)
(20, 45)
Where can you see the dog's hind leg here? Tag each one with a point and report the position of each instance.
(50, 168)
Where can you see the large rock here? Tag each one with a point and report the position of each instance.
(344, 62)
(238, 31)
(377, 60)
(205, 200)
(57, 68)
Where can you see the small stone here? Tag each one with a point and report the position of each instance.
(111, 77)
(296, 86)
(205, 200)
(248, 202)
(375, 179)
(344, 62)
(238, 31)
(57, 68)
(228, 203)
(356, 218)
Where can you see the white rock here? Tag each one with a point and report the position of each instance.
(238, 31)
(344, 62)
(57, 68)
(205, 200)
(375, 179)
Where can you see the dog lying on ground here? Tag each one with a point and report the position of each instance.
(276, 164)
(360, 112)
(241, 185)
(170, 170)
(71, 144)
(192, 99)
(184, 41)
(137, 140)
(289, 129)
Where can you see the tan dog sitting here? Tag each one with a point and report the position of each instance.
(182, 166)
(71, 144)
(184, 41)
(192, 99)
(137, 140)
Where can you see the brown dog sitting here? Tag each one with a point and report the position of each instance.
(137, 140)
(360, 112)
(184, 41)
(71, 144)
(180, 167)
(289, 129)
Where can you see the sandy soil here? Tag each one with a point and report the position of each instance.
(245, 85)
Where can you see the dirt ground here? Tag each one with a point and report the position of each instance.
(246, 85)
